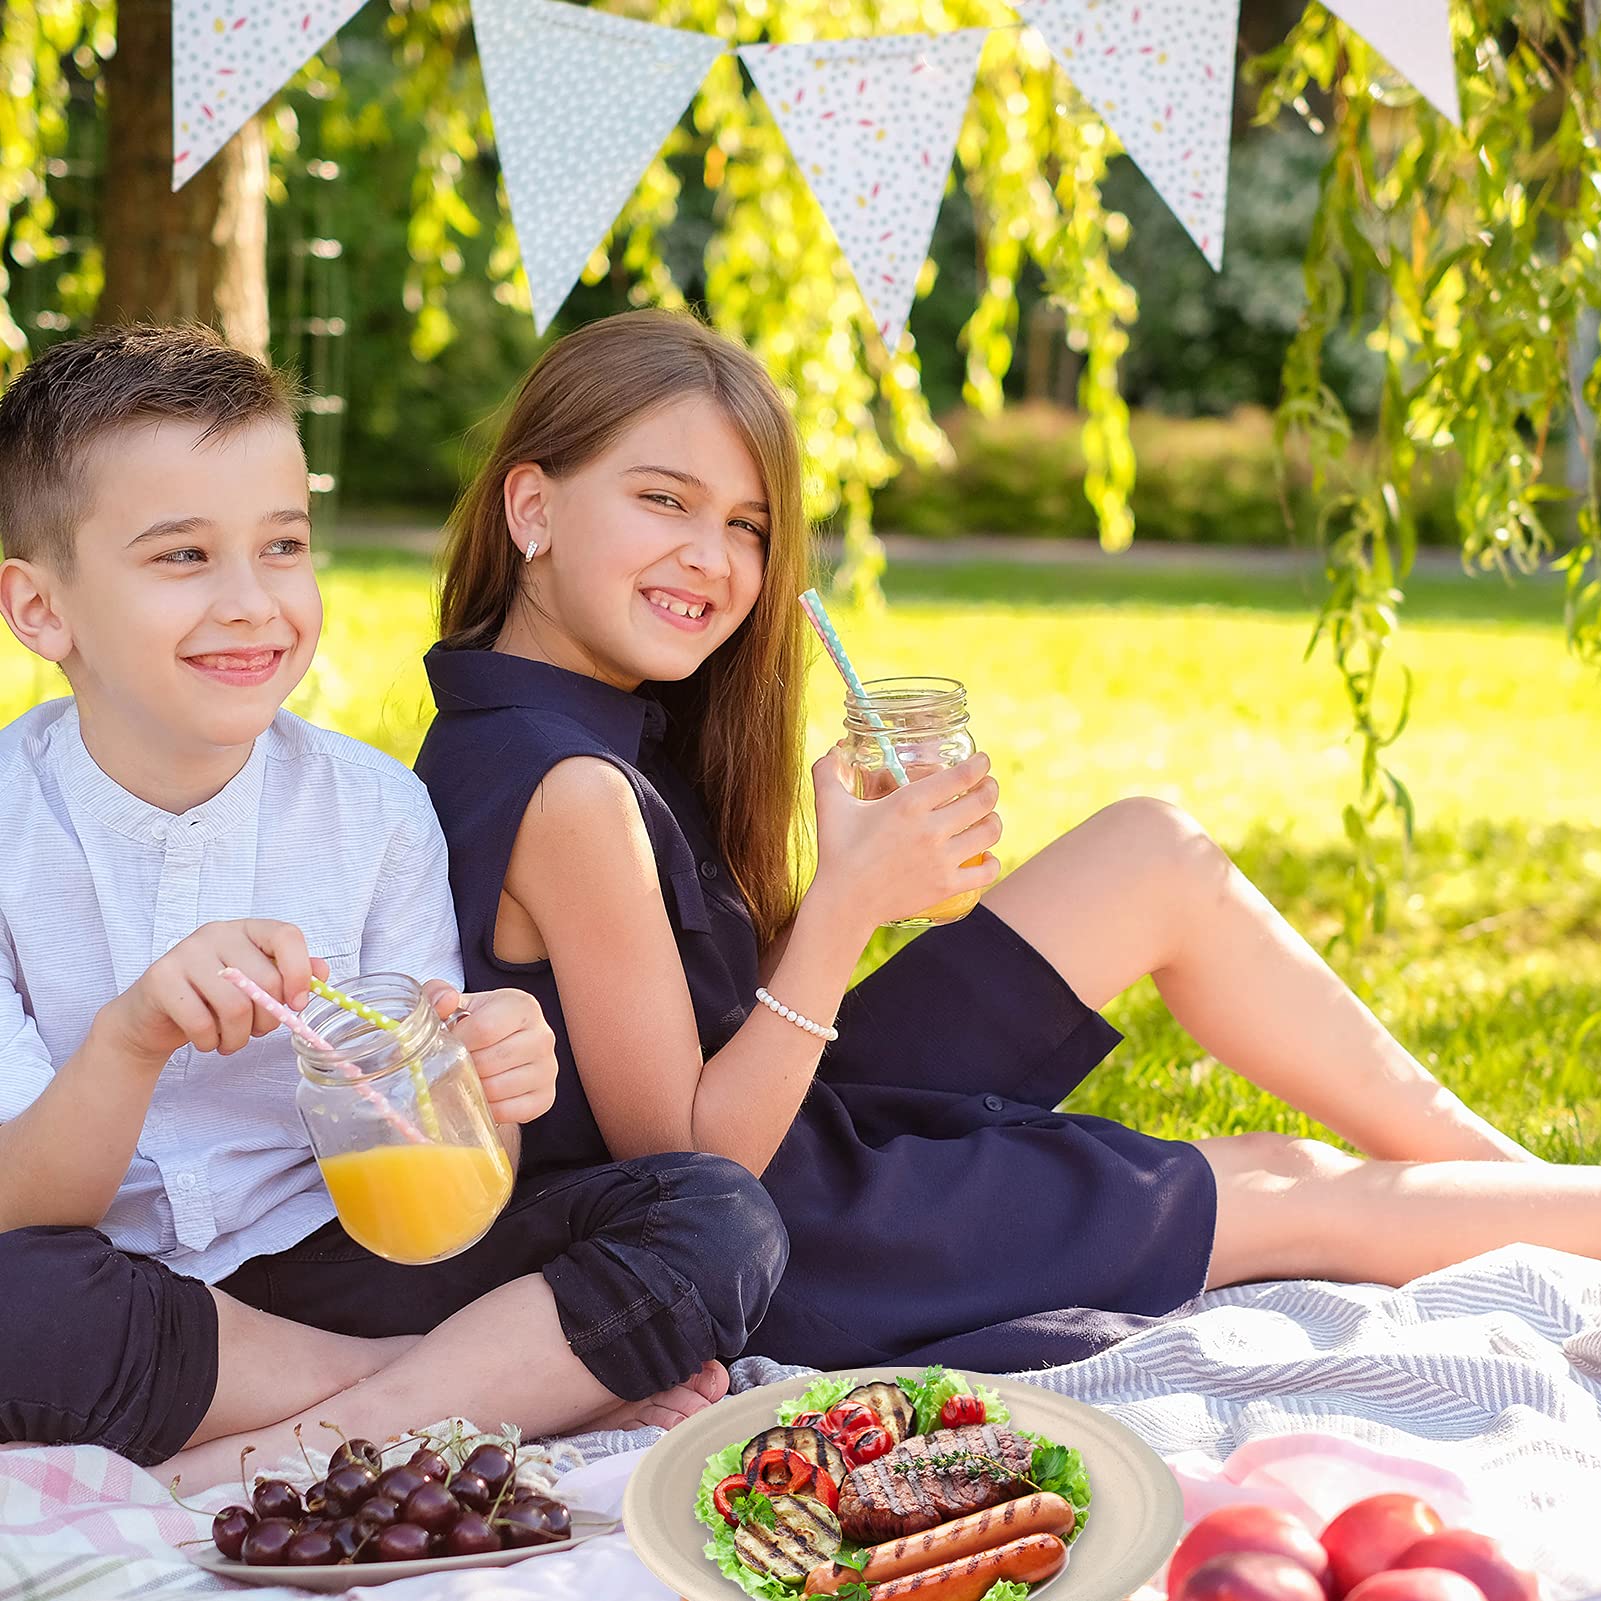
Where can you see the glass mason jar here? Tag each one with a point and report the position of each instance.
(924, 721)
(399, 1125)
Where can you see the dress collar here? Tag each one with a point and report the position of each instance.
(231, 809)
(484, 680)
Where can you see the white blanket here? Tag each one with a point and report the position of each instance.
(1490, 1370)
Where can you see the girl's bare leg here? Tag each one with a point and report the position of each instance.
(1292, 1208)
(1140, 888)
(503, 1359)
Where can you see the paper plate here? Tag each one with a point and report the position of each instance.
(1136, 1509)
(333, 1578)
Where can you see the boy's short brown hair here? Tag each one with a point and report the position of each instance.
(84, 389)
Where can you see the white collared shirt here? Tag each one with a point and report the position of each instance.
(317, 830)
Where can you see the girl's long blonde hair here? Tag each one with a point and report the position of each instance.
(737, 724)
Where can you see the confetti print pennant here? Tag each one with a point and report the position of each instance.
(872, 124)
(230, 57)
(582, 102)
(1415, 38)
(1161, 75)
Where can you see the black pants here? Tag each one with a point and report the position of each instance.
(656, 1265)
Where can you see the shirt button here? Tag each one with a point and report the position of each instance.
(708, 869)
(994, 1103)
(186, 1181)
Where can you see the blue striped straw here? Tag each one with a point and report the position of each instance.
(812, 605)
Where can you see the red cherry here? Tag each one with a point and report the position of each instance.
(229, 1528)
(470, 1536)
(402, 1542)
(266, 1544)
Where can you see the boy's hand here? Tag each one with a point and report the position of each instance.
(511, 1045)
(183, 999)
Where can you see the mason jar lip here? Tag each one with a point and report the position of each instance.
(367, 1042)
(908, 691)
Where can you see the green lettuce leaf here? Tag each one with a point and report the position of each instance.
(1006, 1590)
(1061, 1471)
(819, 1398)
(934, 1386)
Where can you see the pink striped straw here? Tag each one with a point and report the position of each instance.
(298, 1026)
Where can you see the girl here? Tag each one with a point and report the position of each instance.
(616, 763)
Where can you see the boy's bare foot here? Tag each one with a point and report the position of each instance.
(669, 1407)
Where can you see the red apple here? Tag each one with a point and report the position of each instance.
(1251, 1576)
(1239, 1529)
(1369, 1535)
(1417, 1584)
(1476, 1557)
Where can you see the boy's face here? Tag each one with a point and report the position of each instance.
(192, 610)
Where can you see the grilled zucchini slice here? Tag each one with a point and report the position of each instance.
(812, 1444)
(803, 1534)
(891, 1403)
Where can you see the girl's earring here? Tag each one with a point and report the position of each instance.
(532, 551)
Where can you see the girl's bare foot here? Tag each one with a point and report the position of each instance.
(669, 1407)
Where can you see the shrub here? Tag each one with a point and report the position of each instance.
(1201, 480)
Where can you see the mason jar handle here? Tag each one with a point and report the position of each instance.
(456, 1017)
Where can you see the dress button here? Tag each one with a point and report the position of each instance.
(993, 1102)
(708, 869)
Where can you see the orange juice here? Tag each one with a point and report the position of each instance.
(418, 1203)
(875, 784)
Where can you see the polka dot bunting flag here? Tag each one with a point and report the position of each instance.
(230, 57)
(1161, 75)
(872, 124)
(1415, 38)
(582, 101)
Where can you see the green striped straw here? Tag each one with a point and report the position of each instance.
(817, 613)
(369, 1014)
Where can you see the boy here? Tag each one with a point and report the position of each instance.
(171, 1276)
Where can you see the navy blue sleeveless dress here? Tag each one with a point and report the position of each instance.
(938, 1208)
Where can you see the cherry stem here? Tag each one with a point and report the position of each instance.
(172, 1490)
(324, 1424)
(302, 1444)
(242, 1455)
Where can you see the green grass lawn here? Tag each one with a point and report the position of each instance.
(1092, 683)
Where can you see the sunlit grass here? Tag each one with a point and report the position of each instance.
(1091, 684)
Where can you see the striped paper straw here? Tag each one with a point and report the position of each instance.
(298, 1026)
(812, 605)
(371, 1014)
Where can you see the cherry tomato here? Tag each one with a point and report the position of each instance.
(846, 1419)
(824, 1488)
(868, 1444)
(807, 1420)
(962, 1410)
(781, 1472)
(724, 1494)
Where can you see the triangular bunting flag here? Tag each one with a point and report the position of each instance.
(1161, 75)
(230, 57)
(872, 124)
(1415, 38)
(582, 101)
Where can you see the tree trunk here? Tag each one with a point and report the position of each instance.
(199, 254)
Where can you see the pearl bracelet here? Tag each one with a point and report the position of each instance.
(790, 1015)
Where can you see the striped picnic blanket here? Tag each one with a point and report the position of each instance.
(1485, 1378)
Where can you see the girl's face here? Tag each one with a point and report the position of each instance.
(651, 555)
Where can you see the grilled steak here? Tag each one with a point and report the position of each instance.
(911, 1488)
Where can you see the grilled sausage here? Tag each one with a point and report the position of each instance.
(1031, 1560)
(979, 1531)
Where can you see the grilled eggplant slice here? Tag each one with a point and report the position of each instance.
(811, 1443)
(891, 1403)
(803, 1533)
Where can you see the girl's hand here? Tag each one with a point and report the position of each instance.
(511, 1045)
(920, 844)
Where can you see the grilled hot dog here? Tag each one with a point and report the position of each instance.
(949, 1542)
(1031, 1560)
